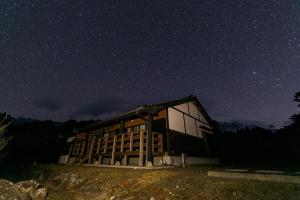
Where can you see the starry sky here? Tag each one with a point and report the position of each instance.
(79, 59)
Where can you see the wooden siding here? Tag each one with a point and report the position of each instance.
(112, 128)
(120, 147)
(190, 145)
(134, 122)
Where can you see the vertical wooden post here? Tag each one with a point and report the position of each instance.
(74, 149)
(88, 147)
(168, 136)
(205, 142)
(70, 149)
(70, 152)
(105, 145)
(153, 141)
(125, 154)
(91, 149)
(82, 149)
(131, 141)
(125, 160)
(113, 151)
(160, 143)
(122, 142)
(98, 146)
(149, 139)
(141, 156)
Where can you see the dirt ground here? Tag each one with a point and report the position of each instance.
(95, 183)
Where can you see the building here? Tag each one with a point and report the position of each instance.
(174, 132)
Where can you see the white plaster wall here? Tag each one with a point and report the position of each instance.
(176, 121)
(190, 125)
(183, 107)
(193, 110)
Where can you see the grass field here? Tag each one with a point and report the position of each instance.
(178, 183)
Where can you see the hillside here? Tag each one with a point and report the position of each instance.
(94, 183)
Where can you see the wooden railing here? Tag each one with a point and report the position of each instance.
(77, 148)
(122, 146)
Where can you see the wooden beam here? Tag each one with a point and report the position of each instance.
(112, 162)
(153, 142)
(149, 138)
(74, 149)
(125, 159)
(88, 147)
(91, 149)
(70, 149)
(99, 145)
(82, 149)
(122, 143)
(131, 141)
(168, 139)
(141, 153)
(105, 145)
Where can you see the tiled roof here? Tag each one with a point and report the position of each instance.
(147, 108)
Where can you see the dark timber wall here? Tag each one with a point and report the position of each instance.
(191, 146)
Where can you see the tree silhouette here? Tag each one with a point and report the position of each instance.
(297, 98)
(296, 117)
(5, 121)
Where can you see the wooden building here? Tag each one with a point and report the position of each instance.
(173, 132)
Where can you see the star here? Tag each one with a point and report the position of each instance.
(222, 52)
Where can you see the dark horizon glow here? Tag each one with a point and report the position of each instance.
(65, 60)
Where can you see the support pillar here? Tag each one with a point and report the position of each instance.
(168, 139)
(149, 140)
(113, 151)
(141, 153)
(92, 149)
(82, 149)
(99, 145)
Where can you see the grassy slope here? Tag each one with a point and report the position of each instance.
(178, 183)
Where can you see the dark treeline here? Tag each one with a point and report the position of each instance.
(38, 141)
(258, 146)
(43, 141)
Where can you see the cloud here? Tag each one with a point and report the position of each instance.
(103, 106)
(47, 103)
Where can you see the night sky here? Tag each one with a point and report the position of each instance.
(81, 59)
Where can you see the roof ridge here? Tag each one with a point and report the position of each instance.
(162, 103)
